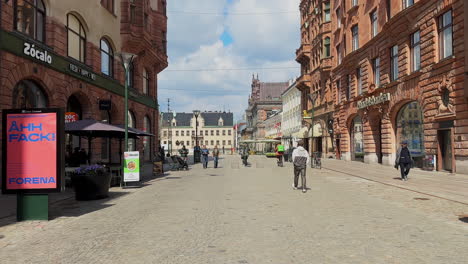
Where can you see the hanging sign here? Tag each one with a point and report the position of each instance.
(132, 166)
(32, 147)
(71, 117)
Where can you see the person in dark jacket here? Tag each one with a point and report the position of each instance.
(403, 160)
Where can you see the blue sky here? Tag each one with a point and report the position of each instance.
(230, 34)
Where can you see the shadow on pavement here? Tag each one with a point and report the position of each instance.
(73, 208)
(463, 218)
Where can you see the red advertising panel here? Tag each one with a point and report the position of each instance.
(32, 151)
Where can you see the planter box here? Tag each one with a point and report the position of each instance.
(91, 187)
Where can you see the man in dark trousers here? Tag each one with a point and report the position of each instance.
(205, 152)
(300, 158)
(404, 160)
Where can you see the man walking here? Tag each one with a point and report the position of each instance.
(216, 156)
(404, 160)
(300, 158)
(205, 153)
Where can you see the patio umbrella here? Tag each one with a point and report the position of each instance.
(138, 132)
(91, 128)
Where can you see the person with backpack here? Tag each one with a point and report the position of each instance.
(403, 160)
(216, 156)
(244, 152)
(279, 151)
(205, 152)
(300, 159)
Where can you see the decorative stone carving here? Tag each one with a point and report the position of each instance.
(371, 88)
(444, 98)
(365, 116)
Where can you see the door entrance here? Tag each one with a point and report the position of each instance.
(319, 147)
(445, 150)
(379, 143)
(338, 149)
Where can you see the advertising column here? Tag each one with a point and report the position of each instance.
(33, 158)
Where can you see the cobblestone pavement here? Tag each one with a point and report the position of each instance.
(243, 215)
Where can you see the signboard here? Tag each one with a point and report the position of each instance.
(105, 104)
(37, 53)
(33, 150)
(71, 117)
(132, 166)
(83, 72)
(374, 100)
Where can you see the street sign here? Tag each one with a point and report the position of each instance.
(33, 150)
(132, 166)
(71, 117)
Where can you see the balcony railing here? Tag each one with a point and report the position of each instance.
(303, 52)
(303, 82)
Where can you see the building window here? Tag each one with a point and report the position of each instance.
(107, 58)
(340, 55)
(165, 142)
(132, 12)
(338, 18)
(132, 124)
(188, 143)
(193, 132)
(416, 51)
(146, 81)
(229, 133)
(407, 3)
(108, 4)
(338, 90)
(326, 10)
(229, 142)
(212, 132)
(212, 142)
(217, 142)
(147, 140)
(359, 81)
(224, 132)
(76, 38)
(28, 94)
(374, 23)
(145, 21)
(326, 47)
(389, 9)
(355, 33)
(30, 18)
(446, 35)
(177, 133)
(182, 133)
(348, 87)
(131, 75)
(394, 63)
(206, 142)
(217, 132)
(355, 3)
(165, 134)
(224, 142)
(376, 71)
(206, 132)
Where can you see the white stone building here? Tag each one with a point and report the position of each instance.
(291, 125)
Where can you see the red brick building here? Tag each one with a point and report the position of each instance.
(400, 73)
(315, 57)
(65, 54)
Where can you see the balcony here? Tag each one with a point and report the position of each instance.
(303, 53)
(303, 82)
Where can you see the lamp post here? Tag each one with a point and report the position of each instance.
(312, 97)
(196, 157)
(127, 60)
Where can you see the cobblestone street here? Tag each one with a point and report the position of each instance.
(251, 215)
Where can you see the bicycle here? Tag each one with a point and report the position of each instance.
(316, 160)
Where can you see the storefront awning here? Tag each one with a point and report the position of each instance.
(301, 134)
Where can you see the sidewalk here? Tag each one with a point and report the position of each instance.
(8, 202)
(447, 186)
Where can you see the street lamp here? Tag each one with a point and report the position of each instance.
(312, 97)
(196, 156)
(127, 60)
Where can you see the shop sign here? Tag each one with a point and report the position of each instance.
(71, 117)
(132, 166)
(105, 104)
(32, 144)
(32, 51)
(374, 100)
(82, 72)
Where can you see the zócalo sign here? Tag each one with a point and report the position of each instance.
(374, 100)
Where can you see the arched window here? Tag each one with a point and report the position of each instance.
(28, 94)
(76, 38)
(132, 124)
(30, 18)
(145, 81)
(147, 140)
(326, 47)
(107, 58)
(410, 127)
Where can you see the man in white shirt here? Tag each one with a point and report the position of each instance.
(300, 159)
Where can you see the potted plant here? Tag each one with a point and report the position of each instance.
(91, 182)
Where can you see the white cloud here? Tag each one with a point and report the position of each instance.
(266, 41)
